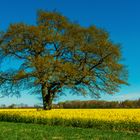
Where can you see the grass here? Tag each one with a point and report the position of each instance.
(22, 131)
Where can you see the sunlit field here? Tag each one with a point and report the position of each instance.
(108, 119)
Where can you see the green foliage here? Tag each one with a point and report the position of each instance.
(56, 54)
(99, 104)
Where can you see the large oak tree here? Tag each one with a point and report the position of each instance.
(57, 54)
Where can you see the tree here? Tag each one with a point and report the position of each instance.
(12, 106)
(57, 54)
(3, 106)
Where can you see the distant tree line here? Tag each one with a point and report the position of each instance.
(77, 104)
(100, 104)
(11, 106)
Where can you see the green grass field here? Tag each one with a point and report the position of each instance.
(22, 131)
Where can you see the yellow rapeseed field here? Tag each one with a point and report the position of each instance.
(122, 119)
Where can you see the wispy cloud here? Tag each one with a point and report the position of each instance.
(128, 96)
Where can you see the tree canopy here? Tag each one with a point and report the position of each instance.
(57, 54)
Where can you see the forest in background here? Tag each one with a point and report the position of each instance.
(77, 104)
(100, 104)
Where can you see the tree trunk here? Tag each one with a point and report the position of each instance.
(49, 101)
(47, 98)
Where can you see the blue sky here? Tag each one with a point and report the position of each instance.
(121, 18)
